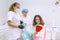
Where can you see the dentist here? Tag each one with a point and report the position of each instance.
(26, 19)
(13, 19)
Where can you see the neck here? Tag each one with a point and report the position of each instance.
(38, 23)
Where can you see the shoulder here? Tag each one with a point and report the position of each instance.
(28, 16)
(11, 13)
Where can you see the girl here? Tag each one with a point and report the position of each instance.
(39, 34)
(14, 32)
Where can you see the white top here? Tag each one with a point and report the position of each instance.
(14, 33)
(14, 17)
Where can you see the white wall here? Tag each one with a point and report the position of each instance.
(57, 16)
(3, 11)
(46, 8)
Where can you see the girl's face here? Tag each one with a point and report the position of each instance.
(37, 20)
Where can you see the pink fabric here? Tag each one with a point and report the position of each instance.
(37, 38)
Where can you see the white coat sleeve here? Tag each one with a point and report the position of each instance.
(10, 16)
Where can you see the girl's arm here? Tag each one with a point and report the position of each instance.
(34, 34)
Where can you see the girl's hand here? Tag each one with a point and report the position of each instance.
(38, 28)
(34, 33)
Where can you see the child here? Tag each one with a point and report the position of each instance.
(39, 29)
